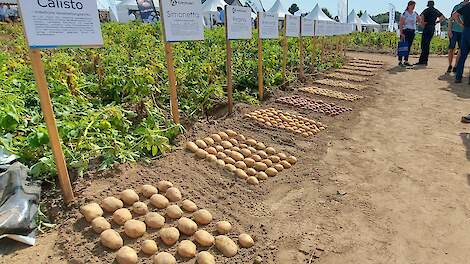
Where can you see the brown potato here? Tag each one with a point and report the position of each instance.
(274, 159)
(285, 164)
(240, 165)
(245, 152)
(278, 167)
(270, 151)
(201, 154)
(262, 175)
(252, 149)
(260, 146)
(245, 241)
(169, 235)
(100, 224)
(252, 180)
(91, 211)
(189, 206)
(268, 162)
(173, 194)
(251, 142)
(111, 239)
(221, 155)
(260, 166)
(251, 172)
(111, 204)
(149, 247)
(159, 201)
(129, 196)
(231, 133)
(241, 174)
(164, 258)
(209, 141)
(121, 216)
(148, 190)
(140, 208)
(220, 163)
(216, 137)
(233, 141)
(249, 162)
(223, 227)
(219, 148)
(187, 226)
(292, 160)
(186, 249)
(227, 152)
(134, 228)
(164, 185)
(202, 217)
(262, 154)
(204, 238)
(201, 144)
(226, 145)
(211, 150)
(205, 257)
(154, 220)
(226, 246)
(191, 146)
(256, 158)
(229, 160)
(211, 158)
(241, 137)
(174, 212)
(223, 135)
(126, 255)
(230, 168)
(237, 156)
(271, 172)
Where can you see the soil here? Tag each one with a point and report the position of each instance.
(385, 183)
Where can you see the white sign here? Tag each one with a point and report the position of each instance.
(66, 23)
(292, 26)
(238, 22)
(182, 20)
(268, 25)
(332, 28)
(307, 29)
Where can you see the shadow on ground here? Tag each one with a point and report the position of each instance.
(466, 142)
(462, 90)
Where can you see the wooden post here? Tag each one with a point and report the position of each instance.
(172, 80)
(260, 63)
(49, 117)
(229, 68)
(285, 51)
(301, 70)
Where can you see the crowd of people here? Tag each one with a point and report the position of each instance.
(8, 13)
(458, 33)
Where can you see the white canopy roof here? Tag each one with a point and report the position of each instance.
(129, 4)
(211, 5)
(279, 9)
(353, 18)
(366, 20)
(318, 14)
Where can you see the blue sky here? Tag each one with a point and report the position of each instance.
(372, 6)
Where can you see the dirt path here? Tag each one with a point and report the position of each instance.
(388, 183)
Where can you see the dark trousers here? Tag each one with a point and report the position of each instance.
(464, 50)
(428, 33)
(409, 38)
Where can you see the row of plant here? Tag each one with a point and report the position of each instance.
(112, 104)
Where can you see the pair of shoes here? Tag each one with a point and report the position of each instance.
(454, 70)
(449, 69)
(400, 64)
(421, 64)
(458, 80)
(407, 64)
(466, 119)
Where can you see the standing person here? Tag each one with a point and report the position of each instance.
(221, 15)
(3, 13)
(408, 28)
(429, 21)
(463, 14)
(455, 29)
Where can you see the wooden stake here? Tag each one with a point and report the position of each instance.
(172, 79)
(260, 64)
(49, 117)
(286, 50)
(301, 71)
(229, 68)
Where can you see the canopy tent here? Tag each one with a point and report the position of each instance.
(234, 2)
(125, 7)
(279, 9)
(367, 21)
(318, 15)
(355, 20)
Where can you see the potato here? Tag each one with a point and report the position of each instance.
(243, 146)
(270, 151)
(251, 172)
(268, 162)
(154, 220)
(241, 174)
(148, 190)
(292, 160)
(201, 144)
(186, 249)
(211, 158)
(111, 204)
(231, 133)
(278, 167)
(134, 228)
(209, 141)
(221, 155)
(216, 137)
(237, 156)
(230, 168)
(220, 163)
(227, 152)
(111, 239)
(121, 216)
(245, 152)
(241, 137)
(245, 241)
(140, 208)
(262, 175)
(260, 166)
(223, 135)
(202, 217)
(159, 201)
(187, 226)
(173, 194)
(100, 224)
(271, 172)
(252, 180)
(223, 227)
(226, 145)
(251, 142)
(211, 150)
(129, 196)
(189, 206)
(203, 238)
(260, 146)
(164, 258)
(149, 247)
(249, 162)
(233, 141)
(164, 185)
(201, 154)
(191, 146)
(205, 257)
(91, 211)
(274, 159)
(126, 255)
(262, 154)
(169, 235)
(252, 149)
(285, 164)
(282, 156)
(226, 246)
(229, 160)
(240, 165)
(219, 148)
(174, 212)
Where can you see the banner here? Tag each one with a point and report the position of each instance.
(332, 28)
(343, 11)
(147, 11)
(391, 18)
(255, 5)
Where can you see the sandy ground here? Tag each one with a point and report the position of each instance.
(386, 183)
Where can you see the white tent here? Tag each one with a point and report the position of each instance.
(367, 21)
(354, 19)
(279, 9)
(125, 6)
(318, 15)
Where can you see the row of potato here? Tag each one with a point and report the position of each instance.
(331, 93)
(369, 61)
(248, 159)
(313, 105)
(365, 65)
(132, 228)
(355, 72)
(346, 77)
(340, 84)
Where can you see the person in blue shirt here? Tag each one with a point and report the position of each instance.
(221, 15)
(3, 13)
(455, 29)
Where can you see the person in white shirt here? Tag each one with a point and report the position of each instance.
(408, 22)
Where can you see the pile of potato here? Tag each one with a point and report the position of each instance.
(355, 72)
(292, 123)
(133, 216)
(248, 159)
(346, 77)
(362, 60)
(331, 93)
(355, 68)
(340, 84)
(318, 106)
(365, 65)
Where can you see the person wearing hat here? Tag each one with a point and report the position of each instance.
(430, 18)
